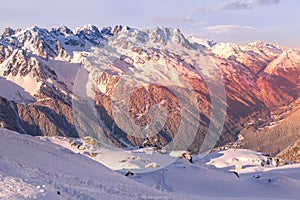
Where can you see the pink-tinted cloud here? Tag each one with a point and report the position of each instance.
(246, 4)
(220, 29)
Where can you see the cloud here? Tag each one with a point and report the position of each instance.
(221, 29)
(246, 4)
(238, 5)
(199, 23)
(204, 10)
(173, 20)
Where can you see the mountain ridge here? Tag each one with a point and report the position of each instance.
(45, 62)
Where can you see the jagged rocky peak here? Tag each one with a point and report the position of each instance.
(121, 32)
(164, 35)
(5, 52)
(18, 63)
(62, 30)
(201, 44)
(87, 29)
(92, 30)
(206, 42)
(21, 63)
(44, 41)
(20, 36)
(271, 48)
(32, 32)
(8, 32)
(107, 31)
(89, 32)
(158, 35)
(259, 43)
(120, 28)
(34, 39)
(210, 42)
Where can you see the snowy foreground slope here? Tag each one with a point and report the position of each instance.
(32, 168)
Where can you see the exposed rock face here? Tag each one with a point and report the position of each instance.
(50, 117)
(279, 135)
(258, 77)
(291, 153)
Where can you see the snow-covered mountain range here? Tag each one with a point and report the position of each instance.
(41, 70)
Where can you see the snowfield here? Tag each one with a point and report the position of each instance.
(31, 168)
(66, 168)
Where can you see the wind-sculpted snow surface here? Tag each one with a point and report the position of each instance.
(224, 174)
(34, 169)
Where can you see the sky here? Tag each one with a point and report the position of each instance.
(240, 21)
